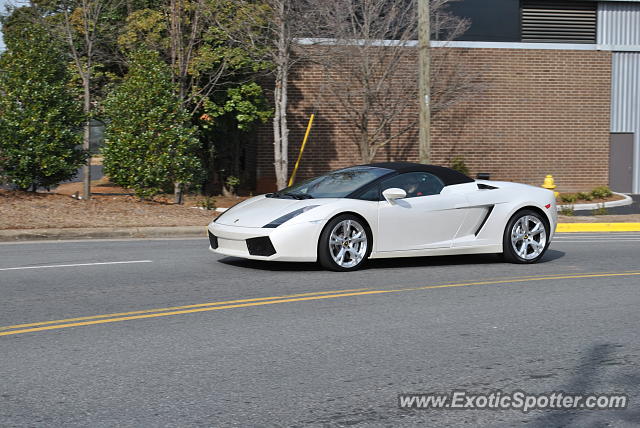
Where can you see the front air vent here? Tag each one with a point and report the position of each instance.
(559, 21)
(260, 246)
(213, 240)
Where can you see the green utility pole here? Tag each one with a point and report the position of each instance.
(424, 34)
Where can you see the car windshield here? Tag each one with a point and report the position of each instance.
(336, 184)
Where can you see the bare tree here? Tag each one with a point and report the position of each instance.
(79, 24)
(370, 67)
(198, 68)
(269, 33)
(185, 22)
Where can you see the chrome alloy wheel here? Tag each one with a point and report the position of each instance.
(348, 243)
(528, 237)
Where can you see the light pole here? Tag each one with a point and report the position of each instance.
(424, 80)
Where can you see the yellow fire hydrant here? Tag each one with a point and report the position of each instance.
(549, 183)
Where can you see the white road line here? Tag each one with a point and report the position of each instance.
(78, 264)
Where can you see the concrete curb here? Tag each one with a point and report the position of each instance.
(102, 233)
(598, 227)
(585, 207)
(200, 231)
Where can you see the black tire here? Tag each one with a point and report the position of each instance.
(325, 257)
(509, 252)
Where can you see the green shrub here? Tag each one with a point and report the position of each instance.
(208, 203)
(568, 197)
(585, 196)
(40, 118)
(567, 210)
(150, 144)
(601, 210)
(232, 183)
(601, 192)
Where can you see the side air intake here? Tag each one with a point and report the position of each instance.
(483, 186)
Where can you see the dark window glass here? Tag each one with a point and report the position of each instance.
(489, 20)
(415, 184)
(372, 194)
(336, 184)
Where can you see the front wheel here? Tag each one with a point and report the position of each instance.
(345, 244)
(525, 237)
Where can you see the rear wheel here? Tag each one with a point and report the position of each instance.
(345, 243)
(525, 238)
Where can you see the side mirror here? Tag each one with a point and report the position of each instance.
(394, 193)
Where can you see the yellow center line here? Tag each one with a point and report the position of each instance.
(551, 275)
(306, 297)
(173, 308)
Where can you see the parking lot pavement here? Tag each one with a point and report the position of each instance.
(163, 332)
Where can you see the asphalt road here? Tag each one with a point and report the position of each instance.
(324, 357)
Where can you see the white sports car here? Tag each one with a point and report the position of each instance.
(394, 209)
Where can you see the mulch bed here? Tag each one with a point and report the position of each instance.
(613, 197)
(112, 207)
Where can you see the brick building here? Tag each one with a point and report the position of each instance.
(561, 96)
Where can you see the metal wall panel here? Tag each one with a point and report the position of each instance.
(619, 31)
(558, 21)
(625, 101)
(619, 24)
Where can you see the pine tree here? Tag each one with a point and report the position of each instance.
(150, 143)
(40, 119)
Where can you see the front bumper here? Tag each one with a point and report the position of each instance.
(295, 243)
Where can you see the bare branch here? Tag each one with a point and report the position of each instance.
(369, 66)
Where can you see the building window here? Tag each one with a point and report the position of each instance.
(559, 21)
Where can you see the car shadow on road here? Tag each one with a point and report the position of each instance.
(404, 262)
(468, 259)
(593, 375)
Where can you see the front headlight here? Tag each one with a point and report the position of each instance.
(277, 222)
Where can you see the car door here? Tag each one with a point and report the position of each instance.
(427, 218)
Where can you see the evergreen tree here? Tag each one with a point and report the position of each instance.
(39, 116)
(150, 143)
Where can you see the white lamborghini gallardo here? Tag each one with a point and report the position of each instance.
(396, 209)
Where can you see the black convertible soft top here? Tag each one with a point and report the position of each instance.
(447, 175)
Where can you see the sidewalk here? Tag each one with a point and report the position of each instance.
(9, 235)
(600, 223)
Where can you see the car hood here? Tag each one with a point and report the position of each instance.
(259, 211)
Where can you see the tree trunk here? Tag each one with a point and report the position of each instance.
(280, 129)
(277, 157)
(365, 149)
(226, 192)
(284, 132)
(177, 193)
(236, 155)
(86, 138)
